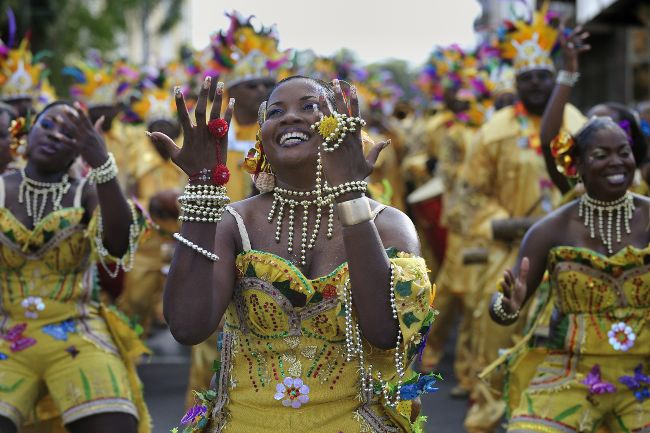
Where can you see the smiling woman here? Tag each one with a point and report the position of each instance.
(330, 327)
(54, 230)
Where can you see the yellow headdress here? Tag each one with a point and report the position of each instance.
(95, 86)
(155, 104)
(245, 53)
(20, 73)
(529, 44)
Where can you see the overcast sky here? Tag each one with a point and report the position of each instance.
(375, 30)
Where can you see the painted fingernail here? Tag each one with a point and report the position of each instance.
(336, 83)
(231, 102)
(220, 87)
(353, 91)
(148, 134)
(177, 91)
(206, 82)
(315, 107)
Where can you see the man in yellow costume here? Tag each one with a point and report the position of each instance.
(156, 183)
(249, 62)
(456, 281)
(510, 189)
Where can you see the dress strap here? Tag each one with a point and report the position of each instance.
(376, 211)
(2, 191)
(79, 192)
(245, 241)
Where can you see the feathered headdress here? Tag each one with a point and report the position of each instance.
(244, 53)
(21, 73)
(529, 44)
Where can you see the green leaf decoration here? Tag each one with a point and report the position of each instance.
(86, 384)
(391, 252)
(567, 413)
(63, 223)
(403, 288)
(409, 319)
(216, 366)
(47, 235)
(296, 298)
(530, 404)
(621, 424)
(250, 271)
(11, 388)
(116, 387)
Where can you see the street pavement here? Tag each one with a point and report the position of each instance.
(165, 380)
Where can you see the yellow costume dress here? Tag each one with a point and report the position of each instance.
(54, 334)
(455, 281)
(595, 370)
(506, 177)
(283, 366)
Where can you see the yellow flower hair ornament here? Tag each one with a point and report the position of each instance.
(562, 150)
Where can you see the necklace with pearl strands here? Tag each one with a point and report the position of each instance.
(621, 209)
(35, 194)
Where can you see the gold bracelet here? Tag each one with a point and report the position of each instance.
(355, 211)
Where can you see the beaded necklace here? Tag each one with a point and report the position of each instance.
(529, 133)
(35, 194)
(621, 209)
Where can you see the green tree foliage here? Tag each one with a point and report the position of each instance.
(66, 28)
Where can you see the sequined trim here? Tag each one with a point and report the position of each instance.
(8, 411)
(528, 423)
(316, 309)
(104, 405)
(374, 421)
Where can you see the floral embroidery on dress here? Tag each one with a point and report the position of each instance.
(32, 305)
(596, 384)
(621, 337)
(3, 356)
(293, 392)
(61, 330)
(638, 383)
(18, 341)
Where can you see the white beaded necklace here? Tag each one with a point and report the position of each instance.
(622, 208)
(31, 192)
(285, 198)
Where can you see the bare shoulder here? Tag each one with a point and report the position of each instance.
(552, 229)
(396, 229)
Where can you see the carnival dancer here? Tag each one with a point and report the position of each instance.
(510, 187)
(250, 60)
(320, 319)
(457, 281)
(8, 151)
(156, 183)
(595, 371)
(53, 229)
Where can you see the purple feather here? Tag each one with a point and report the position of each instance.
(11, 24)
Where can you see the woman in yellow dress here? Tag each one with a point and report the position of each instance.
(54, 334)
(320, 325)
(596, 249)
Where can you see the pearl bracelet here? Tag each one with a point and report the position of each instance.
(498, 310)
(105, 172)
(195, 247)
(334, 128)
(352, 186)
(353, 212)
(567, 78)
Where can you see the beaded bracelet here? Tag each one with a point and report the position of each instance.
(498, 310)
(105, 172)
(203, 203)
(334, 128)
(195, 247)
(567, 78)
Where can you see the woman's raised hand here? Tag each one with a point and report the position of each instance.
(572, 45)
(83, 135)
(515, 288)
(199, 149)
(348, 163)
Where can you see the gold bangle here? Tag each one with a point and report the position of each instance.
(355, 211)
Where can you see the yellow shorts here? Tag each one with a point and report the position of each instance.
(557, 400)
(82, 379)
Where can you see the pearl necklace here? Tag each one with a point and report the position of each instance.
(286, 198)
(622, 207)
(31, 192)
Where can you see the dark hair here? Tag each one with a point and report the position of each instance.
(50, 105)
(628, 119)
(4, 107)
(327, 87)
(597, 123)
